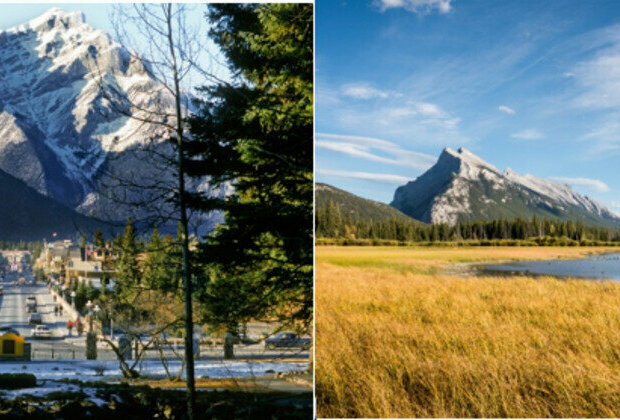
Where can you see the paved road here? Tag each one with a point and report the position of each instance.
(13, 309)
(13, 313)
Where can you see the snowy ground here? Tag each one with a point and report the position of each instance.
(93, 370)
(48, 387)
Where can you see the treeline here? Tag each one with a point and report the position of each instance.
(21, 245)
(330, 223)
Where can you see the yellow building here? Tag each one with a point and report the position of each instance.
(12, 346)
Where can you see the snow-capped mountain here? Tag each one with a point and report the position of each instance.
(61, 134)
(462, 186)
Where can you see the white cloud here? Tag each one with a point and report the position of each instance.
(590, 184)
(368, 148)
(529, 134)
(416, 6)
(506, 109)
(369, 176)
(599, 80)
(605, 136)
(362, 91)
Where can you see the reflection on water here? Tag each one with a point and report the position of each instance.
(596, 266)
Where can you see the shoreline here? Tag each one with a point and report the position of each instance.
(468, 269)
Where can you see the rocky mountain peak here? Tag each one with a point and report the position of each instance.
(52, 19)
(463, 186)
(65, 136)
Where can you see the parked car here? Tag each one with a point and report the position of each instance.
(35, 319)
(287, 339)
(42, 331)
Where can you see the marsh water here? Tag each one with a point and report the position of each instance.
(602, 266)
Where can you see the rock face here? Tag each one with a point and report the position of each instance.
(65, 136)
(461, 186)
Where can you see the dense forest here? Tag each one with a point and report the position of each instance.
(331, 223)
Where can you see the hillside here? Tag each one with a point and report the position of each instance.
(357, 207)
(28, 215)
(461, 186)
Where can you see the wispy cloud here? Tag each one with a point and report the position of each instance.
(506, 109)
(529, 134)
(590, 184)
(605, 137)
(369, 176)
(599, 80)
(416, 6)
(416, 122)
(362, 91)
(376, 150)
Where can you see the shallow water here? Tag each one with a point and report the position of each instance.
(606, 266)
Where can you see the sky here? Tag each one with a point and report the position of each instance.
(99, 16)
(530, 85)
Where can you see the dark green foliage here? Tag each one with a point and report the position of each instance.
(17, 380)
(257, 134)
(127, 269)
(160, 267)
(80, 296)
(99, 243)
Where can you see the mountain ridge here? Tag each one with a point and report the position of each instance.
(63, 85)
(462, 186)
(30, 215)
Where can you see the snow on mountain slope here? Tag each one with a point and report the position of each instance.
(462, 186)
(60, 133)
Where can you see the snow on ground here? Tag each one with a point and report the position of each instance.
(48, 387)
(93, 370)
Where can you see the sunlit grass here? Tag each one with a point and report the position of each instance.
(396, 343)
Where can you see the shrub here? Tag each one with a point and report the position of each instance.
(17, 380)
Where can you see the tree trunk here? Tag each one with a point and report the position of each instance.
(189, 326)
(229, 347)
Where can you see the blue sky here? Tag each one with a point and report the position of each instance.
(530, 85)
(99, 17)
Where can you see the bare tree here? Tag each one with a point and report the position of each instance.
(166, 49)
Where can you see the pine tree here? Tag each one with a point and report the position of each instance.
(257, 135)
(99, 242)
(155, 273)
(127, 269)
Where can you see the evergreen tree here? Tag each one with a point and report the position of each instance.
(99, 242)
(156, 273)
(257, 134)
(127, 269)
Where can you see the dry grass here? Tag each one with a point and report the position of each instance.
(392, 342)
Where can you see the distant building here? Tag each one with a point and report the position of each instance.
(70, 263)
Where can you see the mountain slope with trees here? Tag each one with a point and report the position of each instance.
(356, 207)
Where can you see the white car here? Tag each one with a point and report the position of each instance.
(41, 331)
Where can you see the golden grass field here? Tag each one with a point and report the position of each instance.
(397, 338)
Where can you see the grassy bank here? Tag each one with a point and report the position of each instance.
(395, 339)
(546, 241)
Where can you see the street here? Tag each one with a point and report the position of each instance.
(61, 346)
(13, 307)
